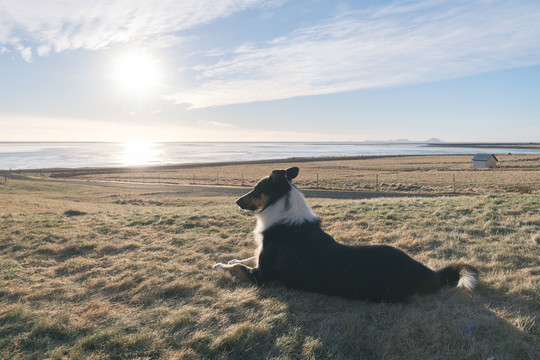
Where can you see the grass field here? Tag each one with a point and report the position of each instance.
(415, 174)
(101, 273)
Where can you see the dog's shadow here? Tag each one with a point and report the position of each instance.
(451, 324)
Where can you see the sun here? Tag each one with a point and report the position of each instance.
(136, 72)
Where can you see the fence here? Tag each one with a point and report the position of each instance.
(342, 178)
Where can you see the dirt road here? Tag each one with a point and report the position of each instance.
(230, 190)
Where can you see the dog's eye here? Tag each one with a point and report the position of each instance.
(260, 188)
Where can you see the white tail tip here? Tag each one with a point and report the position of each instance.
(468, 279)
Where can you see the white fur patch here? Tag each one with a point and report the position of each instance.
(291, 209)
(252, 261)
(219, 266)
(467, 279)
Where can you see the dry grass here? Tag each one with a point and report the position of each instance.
(113, 273)
(516, 173)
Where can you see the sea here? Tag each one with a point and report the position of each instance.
(43, 155)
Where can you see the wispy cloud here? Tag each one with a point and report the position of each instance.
(405, 43)
(26, 53)
(43, 27)
(23, 127)
(217, 124)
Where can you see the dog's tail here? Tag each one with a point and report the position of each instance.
(460, 275)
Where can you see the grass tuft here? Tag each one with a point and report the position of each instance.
(177, 289)
(70, 213)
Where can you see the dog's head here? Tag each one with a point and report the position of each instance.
(268, 190)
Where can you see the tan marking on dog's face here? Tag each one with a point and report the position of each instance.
(264, 199)
(255, 199)
(268, 189)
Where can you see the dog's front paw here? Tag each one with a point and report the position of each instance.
(232, 262)
(219, 266)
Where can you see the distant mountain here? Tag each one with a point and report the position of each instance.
(434, 140)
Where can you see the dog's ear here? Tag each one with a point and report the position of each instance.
(292, 172)
(277, 174)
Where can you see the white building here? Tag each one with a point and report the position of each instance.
(481, 161)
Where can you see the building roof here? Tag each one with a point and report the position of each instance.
(483, 157)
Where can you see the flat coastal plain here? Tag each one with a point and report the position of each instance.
(124, 273)
(429, 174)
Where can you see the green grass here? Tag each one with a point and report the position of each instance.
(113, 273)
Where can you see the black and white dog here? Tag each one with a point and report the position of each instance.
(293, 250)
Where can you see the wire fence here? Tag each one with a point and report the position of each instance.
(523, 179)
(451, 182)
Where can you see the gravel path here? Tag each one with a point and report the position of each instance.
(230, 190)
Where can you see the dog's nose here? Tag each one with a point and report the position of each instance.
(239, 202)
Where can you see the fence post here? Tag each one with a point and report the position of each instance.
(377, 183)
(242, 178)
(454, 182)
(317, 180)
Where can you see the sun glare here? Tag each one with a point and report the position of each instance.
(136, 72)
(139, 153)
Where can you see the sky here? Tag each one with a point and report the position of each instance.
(274, 70)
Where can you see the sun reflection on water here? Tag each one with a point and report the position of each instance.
(139, 153)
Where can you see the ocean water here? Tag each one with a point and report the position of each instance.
(36, 155)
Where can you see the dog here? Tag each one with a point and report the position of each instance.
(293, 250)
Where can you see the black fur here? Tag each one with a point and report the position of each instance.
(305, 257)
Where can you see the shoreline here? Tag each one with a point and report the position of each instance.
(168, 163)
(420, 173)
(176, 166)
(129, 168)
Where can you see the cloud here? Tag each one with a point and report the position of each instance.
(218, 124)
(60, 25)
(404, 43)
(26, 53)
(29, 127)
